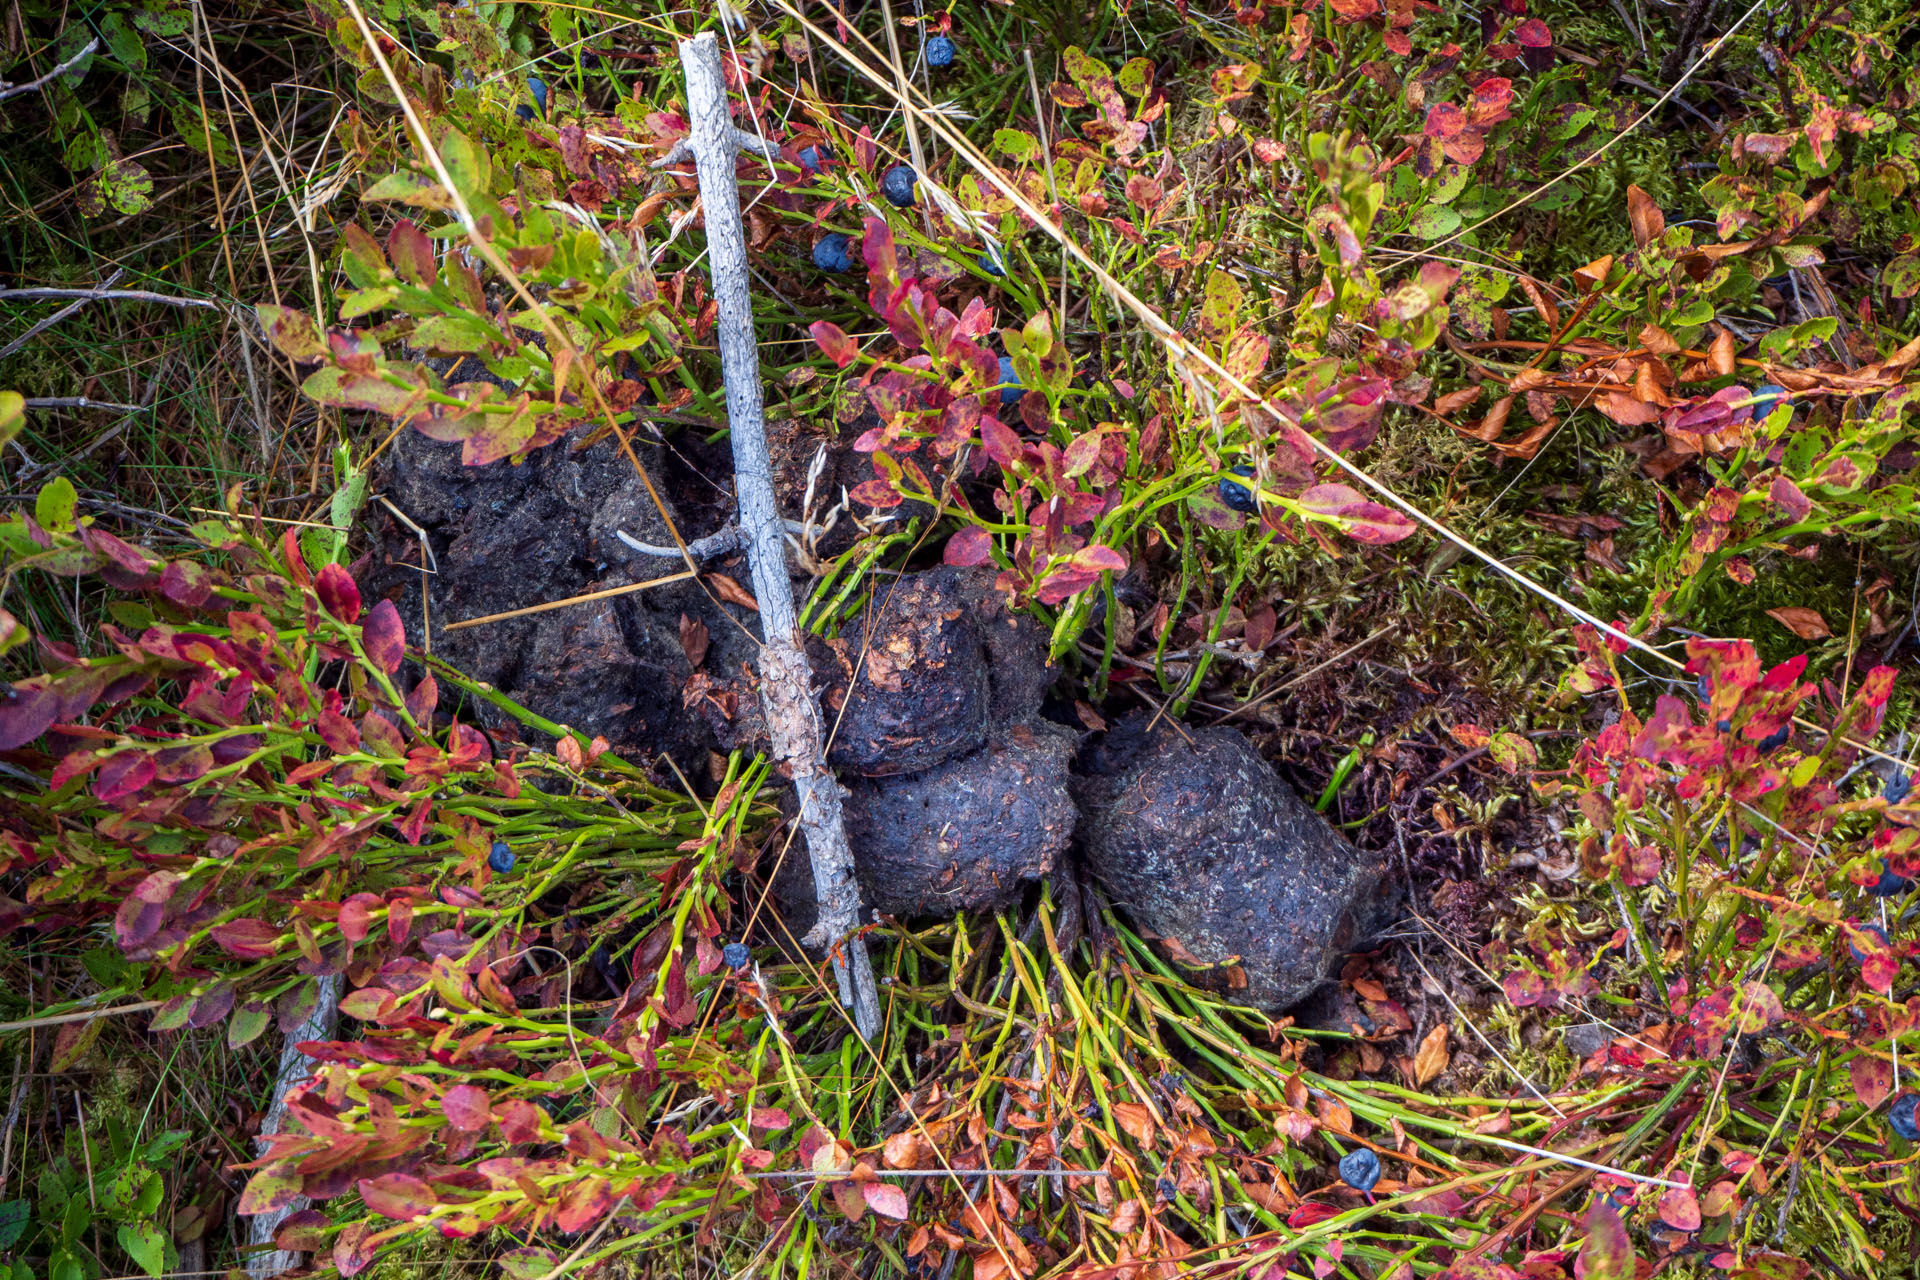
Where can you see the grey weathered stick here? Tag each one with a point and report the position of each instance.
(15, 90)
(295, 1066)
(109, 295)
(786, 681)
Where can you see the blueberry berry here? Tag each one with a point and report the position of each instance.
(940, 52)
(1360, 1169)
(1897, 787)
(897, 186)
(1010, 386)
(833, 253)
(1889, 885)
(990, 266)
(1859, 956)
(735, 955)
(538, 88)
(1239, 496)
(812, 159)
(1767, 397)
(524, 111)
(1775, 740)
(1900, 1116)
(501, 857)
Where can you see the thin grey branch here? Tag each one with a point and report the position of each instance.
(43, 325)
(786, 681)
(109, 295)
(714, 545)
(79, 402)
(15, 90)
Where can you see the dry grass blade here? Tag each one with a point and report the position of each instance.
(588, 597)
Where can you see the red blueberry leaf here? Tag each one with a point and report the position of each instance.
(384, 638)
(247, 939)
(582, 1204)
(292, 331)
(302, 1232)
(970, 546)
(273, 1187)
(467, 1107)
(353, 1248)
(1607, 1254)
(397, 1195)
(1680, 1208)
(834, 343)
(339, 594)
(1872, 1080)
(1445, 121)
(368, 1004)
(1533, 34)
(885, 1199)
(25, 714)
(412, 253)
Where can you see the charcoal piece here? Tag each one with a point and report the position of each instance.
(1203, 844)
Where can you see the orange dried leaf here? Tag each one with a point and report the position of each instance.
(1431, 1058)
(1802, 621)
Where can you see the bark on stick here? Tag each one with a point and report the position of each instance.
(295, 1066)
(786, 681)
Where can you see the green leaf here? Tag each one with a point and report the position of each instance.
(346, 390)
(66, 1265)
(1016, 144)
(146, 1244)
(410, 188)
(361, 301)
(13, 415)
(454, 335)
(1220, 311)
(54, 505)
(14, 1215)
(74, 1222)
(1434, 221)
(466, 164)
(1901, 277)
(292, 331)
(249, 1022)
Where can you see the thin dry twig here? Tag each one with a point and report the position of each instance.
(108, 295)
(15, 90)
(629, 589)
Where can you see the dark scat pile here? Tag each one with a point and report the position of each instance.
(959, 791)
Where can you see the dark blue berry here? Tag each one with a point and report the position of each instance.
(1889, 885)
(538, 88)
(1239, 496)
(1897, 787)
(1767, 397)
(735, 955)
(524, 111)
(1900, 1116)
(812, 159)
(1702, 688)
(1723, 725)
(897, 186)
(1859, 956)
(990, 266)
(833, 253)
(940, 52)
(1360, 1169)
(1775, 740)
(501, 857)
(1010, 388)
